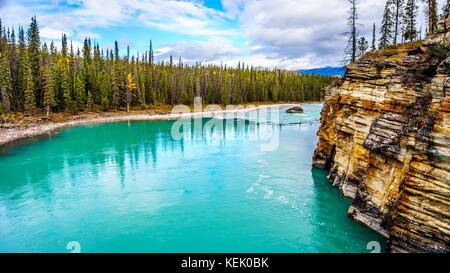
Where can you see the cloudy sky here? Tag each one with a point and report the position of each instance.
(291, 34)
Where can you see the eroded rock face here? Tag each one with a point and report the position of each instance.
(385, 135)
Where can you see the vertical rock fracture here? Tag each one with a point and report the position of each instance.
(385, 135)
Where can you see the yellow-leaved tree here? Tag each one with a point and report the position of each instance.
(131, 85)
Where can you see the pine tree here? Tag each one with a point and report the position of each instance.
(64, 45)
(386, 27)
(49, 91)
(433, 15)
(410, 20)
(69, 103)
(151, 57)
(116, 79)
(90, 101)
(80, 93)
(74, 81)
(5, 81)
(14, 69)
(30, 102)
(22, 70)
(374, 38)
(87, 77)
(352, 23)
(34, 57)
(363, 45)
(225, 97)
(398, 15)
(276, 86)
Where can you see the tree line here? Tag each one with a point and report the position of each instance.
(398, 25)
(35, 78)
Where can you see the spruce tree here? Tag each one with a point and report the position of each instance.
(363, 45)
(386, 27)
(64, 46)
(433, 15)
(80, 93)
(70, 105)
(14, 69)
(30, 102)
(410, 20)
(5, 81)
(276, 87)
(105, 89)
(49, 91)
(34, 57)
(225, 96)
(90, 101)
(74, 81)
(87, 77)
(117, 94)
(398, 16)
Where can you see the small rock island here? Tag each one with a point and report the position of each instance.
(295, 110)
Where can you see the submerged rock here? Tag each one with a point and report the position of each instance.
(385, 135)
(295, 110)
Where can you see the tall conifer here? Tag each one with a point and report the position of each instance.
(30, 102)
(34, 57)
(386, 26)
(410, 20)
(49, 91)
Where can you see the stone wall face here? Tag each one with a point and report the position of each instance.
(385, 135)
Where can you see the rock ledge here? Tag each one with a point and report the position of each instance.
(385, 136)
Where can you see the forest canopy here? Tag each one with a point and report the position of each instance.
(37, 77)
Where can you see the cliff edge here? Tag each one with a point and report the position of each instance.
(385, 136)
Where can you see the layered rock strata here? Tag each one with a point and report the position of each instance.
(385, 135)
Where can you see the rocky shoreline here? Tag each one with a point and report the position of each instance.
(385, 136)
(11, 132)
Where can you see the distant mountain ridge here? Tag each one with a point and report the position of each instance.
(324, 71)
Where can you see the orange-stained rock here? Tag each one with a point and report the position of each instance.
(385, 135)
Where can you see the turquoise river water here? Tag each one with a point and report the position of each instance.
(132, 187)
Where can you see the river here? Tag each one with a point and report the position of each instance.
(133, 187)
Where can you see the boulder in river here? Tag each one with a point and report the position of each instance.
(294, 110)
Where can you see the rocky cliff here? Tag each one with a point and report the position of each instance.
(385, 135)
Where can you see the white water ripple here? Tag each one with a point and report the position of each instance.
(257, 183)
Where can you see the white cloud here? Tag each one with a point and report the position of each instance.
(53, 34)
(308, 32)
(233, 7)
(284, 33)
(87, 34)
(216, 49)
(176, 16)
(259, 60)
(75, 45)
